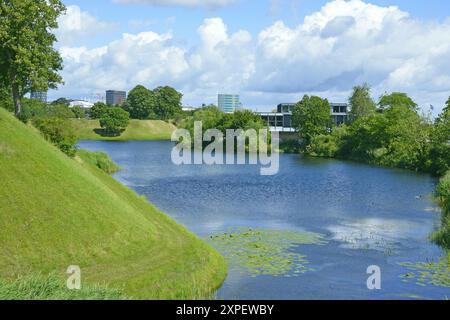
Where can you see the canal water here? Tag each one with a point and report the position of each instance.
(365, 216)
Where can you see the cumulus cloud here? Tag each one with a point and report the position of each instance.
(343, 44)
(350, 42)
(76, 24)
(183, 3)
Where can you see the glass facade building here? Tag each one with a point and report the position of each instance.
(115, 98)
(229, 103)
(39, 95)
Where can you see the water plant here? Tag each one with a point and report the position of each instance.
(265, 251)
(428, 273)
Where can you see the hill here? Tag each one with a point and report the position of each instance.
(137, 130)
(56, 211)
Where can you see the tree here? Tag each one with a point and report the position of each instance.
(167, 102)
(311, 117)
(114, 121)
(5, 99)
(98, 110)
(62, 101)
(140, 103)
(361, 103)
(28, 59)
(79, 112)
(397, 99)
(440, 143)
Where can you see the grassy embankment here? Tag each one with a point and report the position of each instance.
(137, 130)
(56, 211)
(442, 236)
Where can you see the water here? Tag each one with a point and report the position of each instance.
(368, 215)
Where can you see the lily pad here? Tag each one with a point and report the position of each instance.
(265, 251)
(429, 273)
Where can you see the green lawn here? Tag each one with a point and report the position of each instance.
(56, 211)
(137, 130)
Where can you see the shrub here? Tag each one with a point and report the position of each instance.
(100, 160)
(442, 237)
(323, 146)
(114, 121)
(59, 132)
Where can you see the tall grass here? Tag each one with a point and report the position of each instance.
(52, 287)
(100, 160)
(442, 236)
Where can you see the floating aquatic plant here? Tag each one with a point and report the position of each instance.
(428, 273)
(265, 251)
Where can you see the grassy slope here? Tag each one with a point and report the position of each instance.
(442, 236)
(56, 212)
(137, 130)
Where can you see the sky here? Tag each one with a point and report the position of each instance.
(268, 51)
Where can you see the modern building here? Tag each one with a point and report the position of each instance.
(115, 98)
(39, 95)
(188, 108)
(339, 113)
(81, 103)
(229, 103)
(285, 107)
(281, 120)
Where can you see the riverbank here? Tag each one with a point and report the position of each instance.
(56, 211)
(136, 130)
(442, 237)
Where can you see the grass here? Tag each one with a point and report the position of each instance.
(56, 211)
(52, 287)
(442, 236)
(137, 130)
(99, 159)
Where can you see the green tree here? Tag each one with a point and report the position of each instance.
(311, 117)
(5, 99)
(440, 143)
(140, 103)
(167, 102)
(98, 110)
(28, 59)
(114, 121)
(62, 101)
(79, 112)
(397, 99)
(361, 103)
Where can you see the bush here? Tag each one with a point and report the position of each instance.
(323, 146)
(442, 237)
(114, 121)
(100, 160)
(59, 132)
(32, 108)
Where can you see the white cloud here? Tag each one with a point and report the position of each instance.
(343, 44)
(76, 24)
(183, 3)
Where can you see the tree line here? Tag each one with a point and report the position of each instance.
(390, 132)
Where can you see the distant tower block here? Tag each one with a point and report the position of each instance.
(115, 98)
(229, 103)
(39, 95)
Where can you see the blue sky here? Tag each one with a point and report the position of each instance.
(267, 51)
(251, 15)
